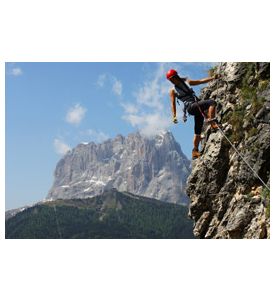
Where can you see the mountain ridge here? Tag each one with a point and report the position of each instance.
(153, 167)
(110, 215)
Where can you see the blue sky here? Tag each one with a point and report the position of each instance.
(52, 107)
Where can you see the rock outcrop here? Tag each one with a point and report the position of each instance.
(152, 167)
(226, 199)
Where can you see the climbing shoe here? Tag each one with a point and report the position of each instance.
(195, 154)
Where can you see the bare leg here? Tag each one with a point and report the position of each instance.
(211, 112)
(195, 151)
(196, 141)
(211, 116)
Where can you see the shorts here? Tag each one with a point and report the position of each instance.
(198, 117)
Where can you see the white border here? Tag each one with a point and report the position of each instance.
(134, 31)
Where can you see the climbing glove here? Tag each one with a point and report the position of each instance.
(175, 120)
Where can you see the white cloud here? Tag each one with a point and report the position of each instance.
(147, 112)
(117, 87)
(129, 108)
(16, 71)
(134, 120)
(152, 92)
(111, 82)
(60, 147)
(149, 124)
(94, 135)
(101, 80)
(75, 114)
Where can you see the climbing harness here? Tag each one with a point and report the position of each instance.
(185, 94)
(235, 149)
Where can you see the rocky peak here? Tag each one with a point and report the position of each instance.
(226, 199)
(154, 167)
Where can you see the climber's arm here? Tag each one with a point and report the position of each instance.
(173, 105)
(201, 81)
(204, 80)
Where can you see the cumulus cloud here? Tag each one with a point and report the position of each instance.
(110, 81)
(60, 147)
(117, 87)
(129, 108)
(76, 114)
(15, 71)
(147, 111)
(153, 91)
(101, 80)
(149, 124)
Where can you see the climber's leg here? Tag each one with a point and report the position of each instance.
(211, 112)
(198, 118)
(196, 142)
(211, 117)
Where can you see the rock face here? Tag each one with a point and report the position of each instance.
(226, 199)
(154, 167)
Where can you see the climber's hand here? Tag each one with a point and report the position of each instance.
(175, 120)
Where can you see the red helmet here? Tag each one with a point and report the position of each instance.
(171, 73)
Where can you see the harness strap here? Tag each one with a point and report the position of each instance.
(202, 113)
(187, 97)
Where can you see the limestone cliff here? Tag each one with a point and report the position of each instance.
(152, 167)
(226, 199)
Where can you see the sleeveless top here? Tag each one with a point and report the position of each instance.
(184, 92)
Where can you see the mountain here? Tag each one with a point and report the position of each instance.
(110, 215)
(12, 212)
(227, 199)
(152, 167)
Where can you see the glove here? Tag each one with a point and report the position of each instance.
(175, 120)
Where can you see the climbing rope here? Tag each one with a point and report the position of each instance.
(244, 160)
(236, 150)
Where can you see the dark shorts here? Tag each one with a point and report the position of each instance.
(194, 111)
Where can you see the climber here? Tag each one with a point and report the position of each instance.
(192, 104)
